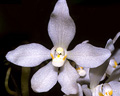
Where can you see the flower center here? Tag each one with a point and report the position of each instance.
(113, 63)
(81, 71)
(104, 90)
(58, 56)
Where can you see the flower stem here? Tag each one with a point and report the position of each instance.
(25, 81)
(6, 83)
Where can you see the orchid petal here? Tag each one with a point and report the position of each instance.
(116, 56)
(61, 27)
(86, 90)
(80, 93)
(115, 75)
(110, 45)
(110, 69)
(28, 55)
(67, 79)
(87, 55)
(110, 42)
(115, 87)
(96, 74)
(116, 37)
(45, 78)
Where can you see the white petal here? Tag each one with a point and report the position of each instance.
(115, 75)
(110, 42)
(45, 78)
(110, 45)
(96, 74)
(80, 93)
(116, 37)
(61, 27)
(87, 55)
(115, 87)
(86, 41)
(86, 90)
(116, 56)
(28, 55)
(109, 70)
(67, 79)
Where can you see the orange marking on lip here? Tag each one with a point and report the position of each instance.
(64, 57)
(52, 55)
(111, 92)
(100, 94)
(115, 64)
(79, 68)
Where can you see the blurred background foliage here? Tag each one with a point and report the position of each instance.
(26, 21)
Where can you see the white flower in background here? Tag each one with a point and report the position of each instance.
(114, 60)
(96, 72)
(61, 29)
(110, 43)
(109, 88)
(102, 90)
(84, 72)
(113, 63)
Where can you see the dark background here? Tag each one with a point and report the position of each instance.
(26, 21)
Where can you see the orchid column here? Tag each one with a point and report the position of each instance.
(61, 29)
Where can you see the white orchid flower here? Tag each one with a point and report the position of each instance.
(84, 72)
(114, 62)
(61, 29)
(110, 43)
(114, 59)
(94, 73)
(109, 88)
